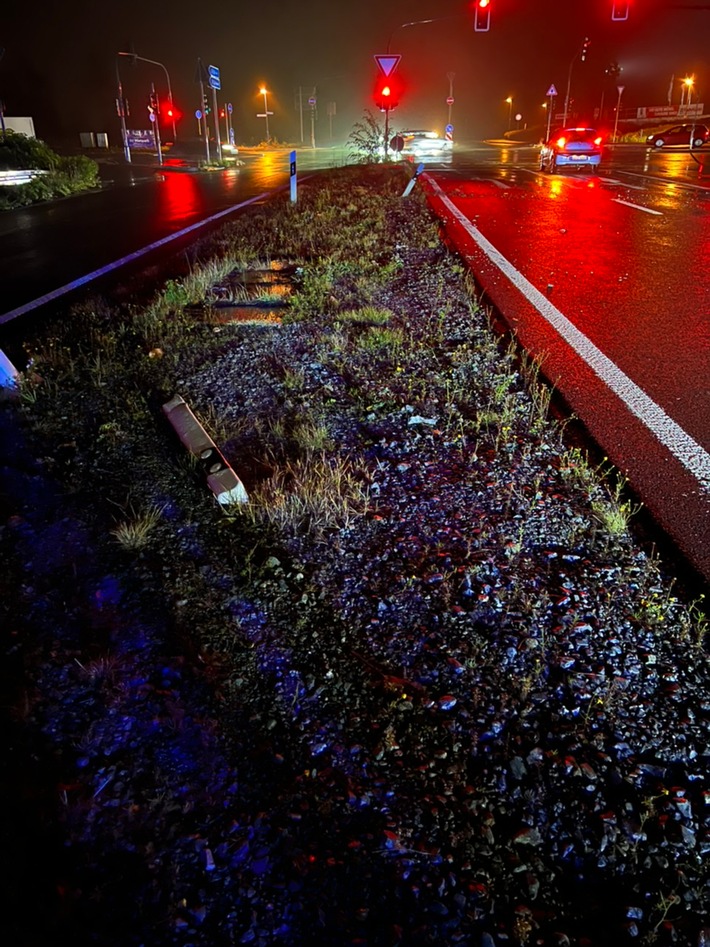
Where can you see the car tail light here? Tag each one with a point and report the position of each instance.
(561, 142)
(598, 141)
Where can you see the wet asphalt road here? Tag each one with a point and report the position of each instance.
(603, 277)
(48, 246)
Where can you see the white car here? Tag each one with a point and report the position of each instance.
(423, 143)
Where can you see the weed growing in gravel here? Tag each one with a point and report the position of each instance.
(366, 316)
(136, 532)
(614, 513)
(311, 496)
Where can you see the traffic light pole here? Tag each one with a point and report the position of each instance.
(121, 103)
(203, 100)
(581, 53)
(216, 124)
(155, 112)
(154, 62)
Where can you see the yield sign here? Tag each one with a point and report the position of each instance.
(387, 63)
(552, 90)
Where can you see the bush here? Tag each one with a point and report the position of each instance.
(366, 139)
(65, 175)
(18, 152)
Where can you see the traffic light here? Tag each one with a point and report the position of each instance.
(482, 16)
(206, 104)
(585, 48)
(620, 10)
(386, 94)
(172, 113)
(154, 105)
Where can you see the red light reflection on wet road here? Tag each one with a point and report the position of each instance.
(605, 282)
(631, 281)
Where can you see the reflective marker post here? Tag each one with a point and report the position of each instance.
(294, 183)
(410, 187)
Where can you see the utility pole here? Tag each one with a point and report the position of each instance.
(300, 109)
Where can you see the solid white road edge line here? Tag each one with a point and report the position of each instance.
(103, 270)
(646, 210)
(683, 447)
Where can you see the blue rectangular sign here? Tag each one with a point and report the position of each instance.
(213, 73)
(140, 139)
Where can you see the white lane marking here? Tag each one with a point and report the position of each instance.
(671, 182)
(646, 210)
(103, 270)
(631, 187)
(687, 450)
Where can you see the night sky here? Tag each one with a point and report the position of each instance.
(59, 64)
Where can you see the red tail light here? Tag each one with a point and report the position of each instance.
(561, 142)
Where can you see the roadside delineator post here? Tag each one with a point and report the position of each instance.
(293, 177)
(8, 373)
(410, 187)
(221, 479)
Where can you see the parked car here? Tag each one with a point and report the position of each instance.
(424, 143)
(571, 148)
(687, 134)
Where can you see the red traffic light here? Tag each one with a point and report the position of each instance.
(387, 94)
(482, 16)
(172, 113)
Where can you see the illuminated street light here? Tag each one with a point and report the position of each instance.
(688, 84)
(262, 91)
(509, 100)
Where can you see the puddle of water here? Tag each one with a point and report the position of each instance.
(268, 285)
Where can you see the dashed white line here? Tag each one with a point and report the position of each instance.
(646, 210)
(673, 437)
(630, 187)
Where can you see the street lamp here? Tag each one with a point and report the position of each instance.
(263, 92)
(688, 82)
(509, 100)
(154, 62)
(581, 54)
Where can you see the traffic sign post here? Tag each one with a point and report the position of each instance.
(387, 63)
(551, 93)
(215, 84)
(200, 77)
(450, 97)
(214, 79)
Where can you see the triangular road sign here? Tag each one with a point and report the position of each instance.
(552, 90)
(387, 63)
